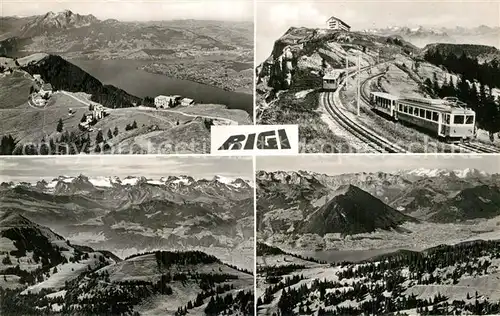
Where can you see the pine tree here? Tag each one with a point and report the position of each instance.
(110, 134)
(99, 138)
(115, 131)
(60, 125)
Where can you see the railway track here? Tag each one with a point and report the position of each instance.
(376, 142)
(478, 148)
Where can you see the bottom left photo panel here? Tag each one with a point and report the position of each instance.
(127, 235)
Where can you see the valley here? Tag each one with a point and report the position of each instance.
(134, 236)
(80, 57)
(136, 214)
(345, 239)
(42, 272)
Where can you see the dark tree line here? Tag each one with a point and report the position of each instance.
(368, 283)
(66, 76)
(487, 75)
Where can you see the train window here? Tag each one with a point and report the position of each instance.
(469, 119)
(435, 116)
(422, 113)
(400, 108)
(447, 118)
(415, 111)
(428, 114)
(458, 119)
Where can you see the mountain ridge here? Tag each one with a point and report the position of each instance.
(353, 211)
(77, 279)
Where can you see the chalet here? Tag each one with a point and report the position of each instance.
(187, 102)
(334, 23)
(38, 78)
(46, 90)
(98, 111)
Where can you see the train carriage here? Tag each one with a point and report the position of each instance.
(333, 79)
(447, 118)
(385, 103)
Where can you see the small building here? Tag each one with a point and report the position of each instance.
(38, 101)
(187, 102)
(38, 78)
(334, 23)
(162, 101)
(46, 90)
(167, 101)
(97, 111)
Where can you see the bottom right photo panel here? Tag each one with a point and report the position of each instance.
(378, 234)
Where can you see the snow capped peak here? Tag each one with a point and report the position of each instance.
(424, 172)
(223, 179)
(130, 180)
(102, 181)
(460, 173)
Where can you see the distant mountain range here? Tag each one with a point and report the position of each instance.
(85, 36)
(136, 213)
(421, 36)
(43, 271)
(308, 202)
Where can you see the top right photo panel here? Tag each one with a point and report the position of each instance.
(381, 77)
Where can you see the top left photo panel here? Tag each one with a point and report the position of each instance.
(123, 77)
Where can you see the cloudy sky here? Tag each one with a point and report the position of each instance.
(339, 164)
(137, 10)
(32, 169)
(274, 18)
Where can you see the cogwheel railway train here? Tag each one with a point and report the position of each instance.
(333, 79)
(447, 118)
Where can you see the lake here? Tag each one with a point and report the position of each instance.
(125, 75)
(333, 256)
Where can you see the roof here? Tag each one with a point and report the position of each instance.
(337, 19)
(333, 74)
(385, 95)
(437, 104)
(47, 86)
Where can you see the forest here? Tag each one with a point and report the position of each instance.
(368, 283)
(65, 76)
(479, 97)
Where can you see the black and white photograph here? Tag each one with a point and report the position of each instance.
(121, 235)
(378, 235)
(123, 77)
(381, 76)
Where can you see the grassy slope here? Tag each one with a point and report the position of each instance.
(14, 89)
(146, 268)
(314, 133)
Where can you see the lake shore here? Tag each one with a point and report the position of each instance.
(126, 75)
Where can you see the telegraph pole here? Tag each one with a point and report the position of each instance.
(358, 81)
(346, 70)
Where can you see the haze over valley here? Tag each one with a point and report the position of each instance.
(310, 223)
(160, 83)
(170, 245)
